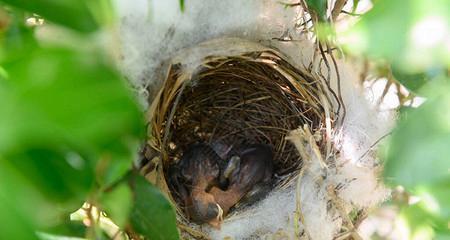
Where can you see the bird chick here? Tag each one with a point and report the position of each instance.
(252, 168)
(199, 167)
(205, 209)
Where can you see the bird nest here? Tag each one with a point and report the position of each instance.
(241, 94)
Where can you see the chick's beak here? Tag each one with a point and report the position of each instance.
(217, 221)
(220, 213)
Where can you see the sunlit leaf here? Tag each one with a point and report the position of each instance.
(152, 215)
(411, 34)
(421, 223)
(71, 13)
(434, 200)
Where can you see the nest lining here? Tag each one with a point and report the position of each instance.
(253, 97)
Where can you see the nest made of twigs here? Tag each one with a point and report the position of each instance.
(250, 95)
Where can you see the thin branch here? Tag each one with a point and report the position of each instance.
(337, 9)
(374, 144)
(352, 14)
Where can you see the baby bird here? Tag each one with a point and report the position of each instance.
(250, 169)
(199, 167)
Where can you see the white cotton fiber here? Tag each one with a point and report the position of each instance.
(266, 217)
(153, 31)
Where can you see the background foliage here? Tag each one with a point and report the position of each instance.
(412, 38)
(70, 128)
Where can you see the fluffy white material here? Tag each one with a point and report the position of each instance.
(153, 31)
(265, 218)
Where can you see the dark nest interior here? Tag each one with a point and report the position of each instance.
(256, 97)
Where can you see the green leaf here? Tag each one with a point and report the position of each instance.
(117, 204)
(418, 152)
(355, 5)
(43, 205)
(77, 102)
(70, 13)
(419, 223)
(50, 172)
(102, 10)
(64, 114)
(319, 7)
(181, 5)
(409, 34)
(112, 169)
(68, 228)
(13, 224)
(18, 40)
(152, 215)
(412, 81)
(415, 80)
(435, 201)
(424, 219)
(384, 29)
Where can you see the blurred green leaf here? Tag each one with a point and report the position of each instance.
(17, 40)
(13, 224)
(112, 168)
(38, 205)
(410, 34)
(102, 10)
(69, 125)
(435, 201)
(412, 81)
(68, 228)
(152, 215)
(181, 5)
(355, 5)
(46, 236)
(117, 204)
(415, 80)
(418, 152)
(73, 98)
(51, 173)
(319, 7)
(421, 222)
(383, 30)
(418, 222)
(70, 13)
(49, 236)
(64, 115)
(77, 103)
